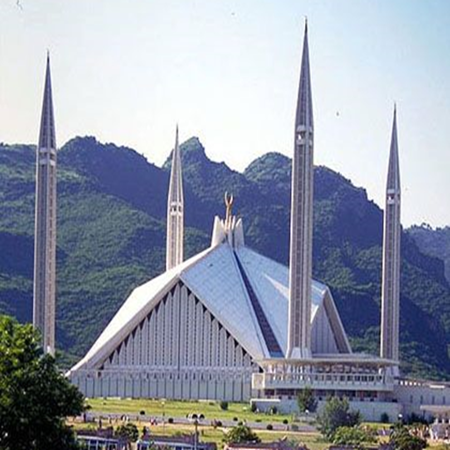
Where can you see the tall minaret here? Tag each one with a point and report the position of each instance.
(390, 299)
(175, 211)
(45, 224)
(300, 268)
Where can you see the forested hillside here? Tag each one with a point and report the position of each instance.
(433, 242)
(111, 237)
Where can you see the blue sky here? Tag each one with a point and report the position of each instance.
(227, 71)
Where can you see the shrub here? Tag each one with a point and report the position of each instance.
(415, 418)
(235, 419)
(223, 405)
(402, 439)
(241, 434)
(351, 436)
(170, 420)
(384, 418)
(269, 426)
(142, 413)
(285, 421)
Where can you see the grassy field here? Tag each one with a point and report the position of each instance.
(210, 409)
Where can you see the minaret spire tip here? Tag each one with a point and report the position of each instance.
(175, 210)
(394, 122)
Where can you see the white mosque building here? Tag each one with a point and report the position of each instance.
(231, 324)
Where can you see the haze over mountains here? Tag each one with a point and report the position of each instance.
(111, 238)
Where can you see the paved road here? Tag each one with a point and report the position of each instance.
(91, 415)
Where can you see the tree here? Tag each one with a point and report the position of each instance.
(402, 439)
(352, 436)
(128, 431)
(306, 400)
(35, 398)
(336, 413)
(240, 434)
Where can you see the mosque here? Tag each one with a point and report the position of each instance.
(229, 323)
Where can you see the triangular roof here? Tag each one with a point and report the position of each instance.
(217, 278)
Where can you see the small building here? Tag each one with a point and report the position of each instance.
(92, 442)
(282, 444)
(185, 442)
(101, 439)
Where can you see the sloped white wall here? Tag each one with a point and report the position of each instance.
(179, 333)
(178, 351)
(322, 336)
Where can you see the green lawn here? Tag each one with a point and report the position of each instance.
(210, 409)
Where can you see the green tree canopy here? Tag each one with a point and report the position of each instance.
(128, 431)
(336, 413)
(239, 434)
(306, 400)
(35, 398)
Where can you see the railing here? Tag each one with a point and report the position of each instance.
(335, 381)
(423, 383)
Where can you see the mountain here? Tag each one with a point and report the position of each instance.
(433, 242)
(111, 238)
